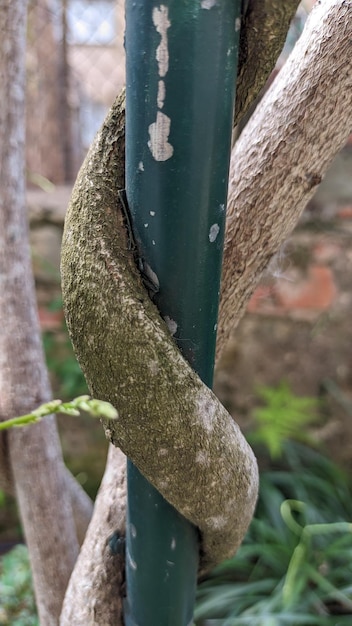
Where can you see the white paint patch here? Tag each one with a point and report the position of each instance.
(141, 166)
(171, 324)
(146, 225)
(133, 531)
(213, 232)
(222, 207)
(162, 23)
(132, 563)
(161, 94)
(237, 24)
(215, 326)
(152, 213)
(208, 4)
(206, 410)
(159, 132)
(153, 242)
(173, 543)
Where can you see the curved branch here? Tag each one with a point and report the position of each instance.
(263, 32)
(170, 424)
(284, 152)
(99, 566)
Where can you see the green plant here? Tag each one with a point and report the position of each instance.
(66, 374)
(65, 371)
(284, 416)
(91, 406)
(17, 605)
(295, 565)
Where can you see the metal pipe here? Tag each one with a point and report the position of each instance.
(181, 62)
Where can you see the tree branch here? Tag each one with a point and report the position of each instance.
(263, 32)
(284, 152)
(94, 591)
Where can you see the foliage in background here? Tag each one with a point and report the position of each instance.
(83, 441)
(295, 565)
(284, 416)
(17, 606)
(66, 374)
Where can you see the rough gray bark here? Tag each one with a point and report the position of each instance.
(34, 454)
(330, 38)
(99, 572)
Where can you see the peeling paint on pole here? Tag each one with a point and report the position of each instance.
(159, 131)
(162, 23)
(213, 232)
(181, 67)
(208, 4)
(158, 143)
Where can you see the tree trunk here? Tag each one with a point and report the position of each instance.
(319, 77)
(34, 452)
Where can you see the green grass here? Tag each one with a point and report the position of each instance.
(295, 565)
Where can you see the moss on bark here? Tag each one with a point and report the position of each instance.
(170, 424)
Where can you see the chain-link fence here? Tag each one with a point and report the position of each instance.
(75, 68)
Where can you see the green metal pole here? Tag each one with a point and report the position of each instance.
(181, 68)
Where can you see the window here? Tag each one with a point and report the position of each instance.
(91, 22)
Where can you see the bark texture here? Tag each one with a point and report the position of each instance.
(263, 32)
(99, 572)
(34, 453)
(284, 152)
(170, 424)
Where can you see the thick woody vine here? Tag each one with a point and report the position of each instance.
(170, 420)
